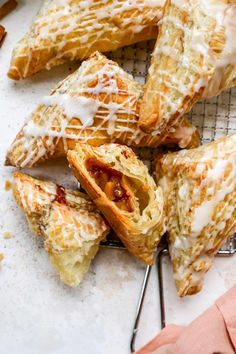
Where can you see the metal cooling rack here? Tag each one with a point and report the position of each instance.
(214, 118)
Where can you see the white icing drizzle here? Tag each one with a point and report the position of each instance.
(31, 197)
(77, 219)
(197, 39)
(88, 104)
(204, 213)
(78, 227)
(202, 184)
(80, 107)
(91, 21)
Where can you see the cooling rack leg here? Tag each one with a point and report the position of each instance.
(159, 259)
(140, 308)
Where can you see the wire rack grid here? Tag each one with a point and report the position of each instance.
(213, 118)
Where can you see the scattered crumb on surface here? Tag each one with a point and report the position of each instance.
(8, 185)
(7, 234)
(1, 256)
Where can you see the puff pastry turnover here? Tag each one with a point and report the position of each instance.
(74, 29)
(67, 221)
(121, 187)
(194, 58)
(98, 103)
(199, 188)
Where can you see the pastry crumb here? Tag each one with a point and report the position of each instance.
(1, 257)
(8, 185)
(7, 234)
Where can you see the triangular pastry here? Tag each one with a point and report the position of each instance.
(66, 220)
(199, 188)
(98, 103)
(194, 58)
(121, 187)
(74, 29)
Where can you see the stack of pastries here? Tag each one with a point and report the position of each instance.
(96, 115)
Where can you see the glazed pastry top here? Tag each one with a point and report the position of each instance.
(194, 58)
(199, 187)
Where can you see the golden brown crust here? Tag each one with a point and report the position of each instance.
(199, 187)
(76, 29)
(98, 103)
(138, 222)
(67, 221)
(194, 58)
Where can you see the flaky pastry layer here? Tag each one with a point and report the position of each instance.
(199, 188)
(66, 220)
(194, 58)
(121, 187)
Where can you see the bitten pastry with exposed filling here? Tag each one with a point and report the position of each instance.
(98, 103)
(74, 29)
(121, 187)
(67, 221)
(199, 188)
(194, 58)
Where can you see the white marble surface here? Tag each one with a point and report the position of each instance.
(39, 315)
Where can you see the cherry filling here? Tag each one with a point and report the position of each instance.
(111, 183)
(60, 196)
